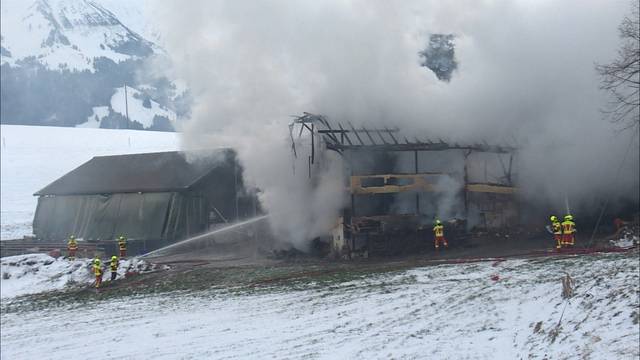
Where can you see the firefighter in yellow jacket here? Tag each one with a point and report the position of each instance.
(568, 231)
(97, 271)
(72, 247)
(557, 231)
(438, 235)
(113, 266)
(122, 246)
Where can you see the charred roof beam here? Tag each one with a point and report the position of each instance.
(333, 142)
(344, 135)
(391, 135)
(356, 133)
(421, 147)
(373, 142)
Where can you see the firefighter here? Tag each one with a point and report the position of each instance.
(122, 246)
(114, 267)
(97, 271)
(557, 231)
(72, 247)
(438, 232)
(568, 231)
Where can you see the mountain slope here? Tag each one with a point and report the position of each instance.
(66, 34)
(60, 59)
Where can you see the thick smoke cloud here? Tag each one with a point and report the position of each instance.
(526, 76)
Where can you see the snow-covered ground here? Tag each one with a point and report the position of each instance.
(137, 111)
(625, 242)
(95, 119)
(34, 156)
(36, 273)
(439, 312)
(133, 108)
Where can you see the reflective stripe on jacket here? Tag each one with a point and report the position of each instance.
(568, 227)
(438, 230)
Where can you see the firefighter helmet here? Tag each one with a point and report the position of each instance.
(114, 257)
(553, 218)
(568, 217)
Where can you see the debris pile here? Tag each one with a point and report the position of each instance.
(627, 234)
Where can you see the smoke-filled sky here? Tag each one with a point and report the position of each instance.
(525, 75)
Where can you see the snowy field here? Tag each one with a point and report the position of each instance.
(34, 156)
(439, 312)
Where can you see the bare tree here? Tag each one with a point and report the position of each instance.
(621, 77)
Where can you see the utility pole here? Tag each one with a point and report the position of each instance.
(126, 104)
(415, 160)
(235, 180)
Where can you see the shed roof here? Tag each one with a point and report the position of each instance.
(149, 172)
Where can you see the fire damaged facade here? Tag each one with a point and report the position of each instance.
(153, 199)
(395, 187)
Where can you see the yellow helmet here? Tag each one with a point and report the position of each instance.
(438, 222)
(96, 261)
(114, 257)
(553, 218)
(568, 217)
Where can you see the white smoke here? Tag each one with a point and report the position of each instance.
(448, 204)
(525, 76)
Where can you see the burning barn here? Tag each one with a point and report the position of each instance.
(153, 198)
(396, 187)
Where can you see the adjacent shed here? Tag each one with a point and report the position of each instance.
(155, 197)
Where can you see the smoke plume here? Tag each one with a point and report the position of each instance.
(525, 76)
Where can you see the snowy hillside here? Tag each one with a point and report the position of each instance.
(62, 59)
(136, 15)
(67, 34)
(437, 312)
(143, 112)
(34, 156)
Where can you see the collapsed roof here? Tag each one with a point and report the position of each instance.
(341, 137)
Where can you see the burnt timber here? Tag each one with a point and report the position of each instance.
(369, 222)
